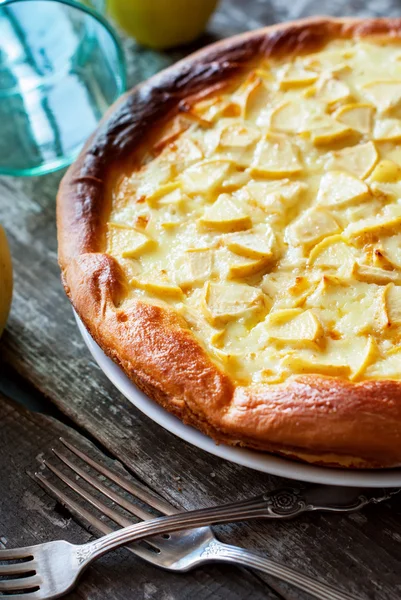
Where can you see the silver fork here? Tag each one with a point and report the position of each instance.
(50, 570)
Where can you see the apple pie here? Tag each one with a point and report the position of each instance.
(231, 237)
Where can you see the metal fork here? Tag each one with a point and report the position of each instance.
(50, 570)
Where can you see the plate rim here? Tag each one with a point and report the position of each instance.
(258, 461)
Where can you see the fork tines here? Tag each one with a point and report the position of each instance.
(18, 572)
(82, 475)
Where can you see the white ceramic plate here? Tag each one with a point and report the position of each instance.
(247, 458)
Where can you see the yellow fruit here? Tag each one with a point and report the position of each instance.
(6, 280)
(162, 23)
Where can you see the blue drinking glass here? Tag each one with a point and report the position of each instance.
(61, 66)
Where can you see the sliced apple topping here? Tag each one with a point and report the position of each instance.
(276, 195)
(325, 131)
(332, 90)
(387, 130)
(295, 76)
(235, 180)
(237, 143)
(170, 219)
(200, 325)
(128, 242)
(227, 214)
(358, 160)
(386, 171)
(297, 328)
(333, 252)
(187, 151)
(194, 267)
(159, 286)
(275, 156)
(295, 116)
(205, 177)
(240, 267)
(338, 188)
(223, 302)
(375, 274)
(368, 355)
(346, 308)
(238, 135)
(389, 219)
(146, 181)
(391, 248)
(393, 304)
(167, 195)
(357, 116)
(313, 225)
(256, 243)
(132, 267)
(385, 95)
(251, 97)
(267, 213)
(305, 366)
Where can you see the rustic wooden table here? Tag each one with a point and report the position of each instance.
(45, 365)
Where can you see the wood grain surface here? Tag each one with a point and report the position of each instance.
(43, 358)
(29, 516)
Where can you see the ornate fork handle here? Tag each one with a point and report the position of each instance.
(217, 552)
(284, 503)
(260, 507)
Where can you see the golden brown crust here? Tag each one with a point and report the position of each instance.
(318, 419)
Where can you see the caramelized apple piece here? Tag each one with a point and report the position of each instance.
(338, 188)
(275, 157)
(299, 329)
(393, 304)
(200, 325)
(226, 214)
(168, 195)
(256, 243)
(303, 366)
(239, 135)
(385, 95)
(391, 248)
(128, 242)
(358, 116)
(358, 160)
(224, 302)
(241, 267)
(158, 287)
(375, 274)
(313, 225)
(332, 252)
(194, 267)
(275, 196)
(332, 90)
(296, 76)
(205, 177)
(387, 130)
(389, 219)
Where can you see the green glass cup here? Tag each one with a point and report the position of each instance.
(61, 67)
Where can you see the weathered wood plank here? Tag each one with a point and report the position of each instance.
(362, 552)
(29, 516)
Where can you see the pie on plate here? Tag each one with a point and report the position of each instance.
(231, 237)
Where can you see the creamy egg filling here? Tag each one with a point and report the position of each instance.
(269, 218)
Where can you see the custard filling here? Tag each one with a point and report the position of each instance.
(269, 217)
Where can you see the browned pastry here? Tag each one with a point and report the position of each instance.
(231, 237)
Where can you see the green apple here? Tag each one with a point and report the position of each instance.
(162, 23)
